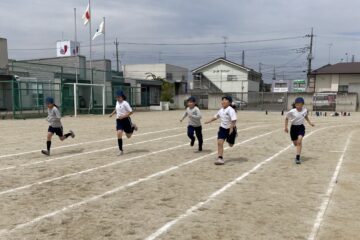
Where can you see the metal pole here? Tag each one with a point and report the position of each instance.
(92, 76)
(76, 49)
(104, 99)
(75, 100)
(104, 91)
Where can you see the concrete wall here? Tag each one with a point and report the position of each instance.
(347, 102)
(3, 55)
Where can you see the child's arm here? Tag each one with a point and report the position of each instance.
(211, 120)
(184, 116)
(113, 112)
(197, 115)
(308, 120)
(232, 126)
(286, 125)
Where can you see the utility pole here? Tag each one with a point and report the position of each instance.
(330, 45)
(260, 67)
(225, 46)
(274, 75)
(117, 55)
(310, 56)
(353, 58)
(243, 58)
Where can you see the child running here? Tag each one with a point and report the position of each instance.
(54, 119)
(123, 121)
(194, 114)
(297, 129)
(227, 131)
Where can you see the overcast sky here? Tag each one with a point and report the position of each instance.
(32, 28)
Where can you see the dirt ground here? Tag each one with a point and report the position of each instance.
(162, 188)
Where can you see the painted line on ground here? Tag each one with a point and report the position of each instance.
(12, 190)
(93, 151)
(115, 190)
(166, 227)
(329, 192)
(83, 143)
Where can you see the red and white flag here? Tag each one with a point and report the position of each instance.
(86, 16)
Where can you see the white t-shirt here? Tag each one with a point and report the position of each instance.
(226, 116)
(122, 108)
(296, 117)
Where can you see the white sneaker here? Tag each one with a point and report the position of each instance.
(219, 161)
(120, 153)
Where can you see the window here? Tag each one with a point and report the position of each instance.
(231, 77)
(280, 85)
(343, 88)
(169, 76)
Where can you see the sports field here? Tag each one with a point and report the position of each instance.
(161, 188)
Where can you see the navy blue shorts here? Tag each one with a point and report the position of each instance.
(296, 131)
(124, 125)
(57, 131)
(224, 134)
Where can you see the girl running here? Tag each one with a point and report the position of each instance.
(227, 131)
(54, 119)
(297, 116)
(194, 114)
(123, 121)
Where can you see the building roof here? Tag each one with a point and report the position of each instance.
(339, 68)
(226, 61)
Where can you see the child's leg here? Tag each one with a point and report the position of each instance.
(48, 140)
(119, 134)
(70, 133)
(190, 133)
(299, 146)
(198, 132)
(221, 147)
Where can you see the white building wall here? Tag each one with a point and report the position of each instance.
(323, 83)
(138, 71)
(218, 74)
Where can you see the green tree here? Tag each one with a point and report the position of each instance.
(167, 88)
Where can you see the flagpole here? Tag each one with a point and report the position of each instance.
(76, 49)
(104, 97)
(91, 71)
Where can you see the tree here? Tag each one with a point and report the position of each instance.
(167, 88)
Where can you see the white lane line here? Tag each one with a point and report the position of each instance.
(83, 143)
(115, 190)
(12, 190)
(90, 152)
(97, 141)
(329, 192)
(194, 208)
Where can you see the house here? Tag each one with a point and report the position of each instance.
(142, 75)
(340, 77)
(224, 76)
(338, 84)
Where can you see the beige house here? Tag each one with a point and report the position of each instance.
(340, 77)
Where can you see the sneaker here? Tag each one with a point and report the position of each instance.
(72, 133)
(45, 152)
(200, 148)
(219, 161)
(120, 153)
(192, 142)
(297, 161)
